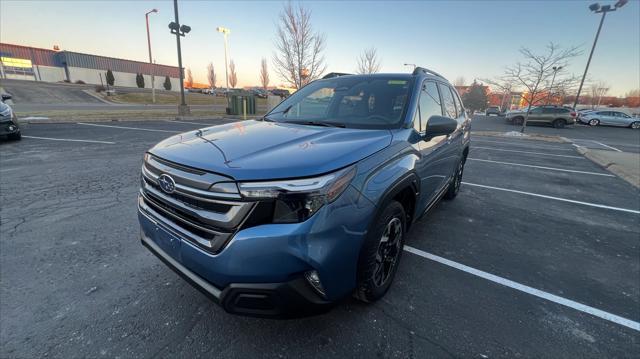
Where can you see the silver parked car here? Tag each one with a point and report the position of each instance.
(610, 118)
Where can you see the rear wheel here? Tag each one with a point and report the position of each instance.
(559, 123)
(594, 122)
(635, 125)
(380, 254)
(454, 186)
(518, 120)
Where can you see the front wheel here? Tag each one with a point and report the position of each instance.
(380, 254)
(635, 125)
(15, 136)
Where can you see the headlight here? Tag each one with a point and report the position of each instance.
(297, 200)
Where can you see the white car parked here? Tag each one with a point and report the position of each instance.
(610, 118)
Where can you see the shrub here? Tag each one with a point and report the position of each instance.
(110, 78)
(80, 82)
(140, 80)
(167, 83)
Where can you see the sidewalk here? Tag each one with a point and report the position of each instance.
(623, 164)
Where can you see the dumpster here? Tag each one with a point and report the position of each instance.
(239, 103)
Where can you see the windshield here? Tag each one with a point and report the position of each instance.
(350, 101)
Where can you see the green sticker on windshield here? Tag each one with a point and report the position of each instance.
(397, 82)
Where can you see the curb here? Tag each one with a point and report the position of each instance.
(611, 166)
(530, 137)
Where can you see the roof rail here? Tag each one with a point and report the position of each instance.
(334, 74)
(426, 71)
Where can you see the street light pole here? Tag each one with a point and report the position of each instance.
(553, 79)
(597, 9)
(414, 65)
(180, 30)
(225, 32)
(153, 82)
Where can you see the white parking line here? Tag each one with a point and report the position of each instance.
(526, 289)
(545, 168)
(555, 198)
(607, 146)
(529, 152)
(617, 144)
(523, 144)
(192, 123)
(127, 128)
(68, 140)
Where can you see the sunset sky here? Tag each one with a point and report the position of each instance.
(472, 39)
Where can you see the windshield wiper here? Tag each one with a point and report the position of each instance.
(318, 123)
(284, 112)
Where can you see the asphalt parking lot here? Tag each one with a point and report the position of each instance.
(539, 256)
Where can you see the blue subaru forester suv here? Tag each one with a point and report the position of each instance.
(286, 215)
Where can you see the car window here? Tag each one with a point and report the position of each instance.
(429, 105)
(621, 114)
(459, 106)
(549, 110)
(447, 101)
(536, 110)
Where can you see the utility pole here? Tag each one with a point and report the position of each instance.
(180, 30)
(553, 79)
(225, 32)
(153, 82)
(596, 8)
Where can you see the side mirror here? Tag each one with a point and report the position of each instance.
(6, 96)
(439, 126)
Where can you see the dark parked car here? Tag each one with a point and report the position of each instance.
(557, 116)
(493, 110)
(286, 215)
(8, 120)
(280, 92)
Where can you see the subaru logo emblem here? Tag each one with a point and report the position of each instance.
(167, 184)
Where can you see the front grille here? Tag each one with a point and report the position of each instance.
(205, 218)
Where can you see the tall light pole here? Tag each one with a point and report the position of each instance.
(225, 32)
(596, 8)
(414, 65)
(153, 72)
(180, 30)
(553, 79)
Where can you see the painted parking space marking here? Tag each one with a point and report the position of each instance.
(69, 140)
(554, 198)
(526, 289)
(556, 148)
(617, 144)
(193, 123)
(607, 146)
(528, 152)
(544, 167)
(127, 128)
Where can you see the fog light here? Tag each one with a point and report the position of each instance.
(314, 279)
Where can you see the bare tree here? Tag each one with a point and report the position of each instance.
(264, 73)
(368, 61)
(598, 89)
(505, 85)
(534, 76)
(459, 81)
(211, 75)
(298, 57)
(233, 77)
(189, 81)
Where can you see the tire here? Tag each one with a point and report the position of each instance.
(559, 123)
(594, 122)
(379, 257)
(518, 120)
(15, 136)
(454, 186)
(635, 125)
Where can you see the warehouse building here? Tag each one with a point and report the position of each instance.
(36, 64)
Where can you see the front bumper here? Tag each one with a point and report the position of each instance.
(261, 270)
(8, 126)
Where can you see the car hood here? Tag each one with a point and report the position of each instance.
(258, 150)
